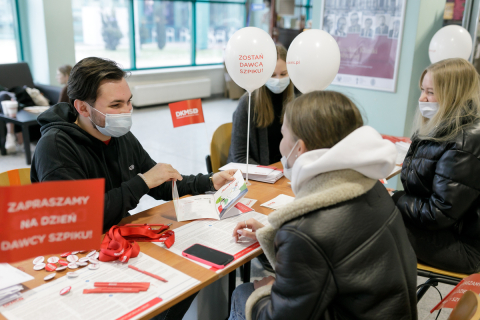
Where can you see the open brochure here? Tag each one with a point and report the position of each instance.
(223, 204)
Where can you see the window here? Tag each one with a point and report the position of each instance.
(102, 29)
(9, 40)
(165, 33)
(216, 23)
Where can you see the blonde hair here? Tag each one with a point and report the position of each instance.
(263, 107)
(322, 118)
(456, 87)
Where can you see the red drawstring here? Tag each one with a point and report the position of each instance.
(120, 243)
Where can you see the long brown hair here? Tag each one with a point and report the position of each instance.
(263, 107)
(456, 87)
(322, 118)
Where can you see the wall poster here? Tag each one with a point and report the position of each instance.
(369, 34)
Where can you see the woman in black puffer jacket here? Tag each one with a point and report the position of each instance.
(441, 172)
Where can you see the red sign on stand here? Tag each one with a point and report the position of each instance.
(186, 112)
(50, 217)
(450, 301)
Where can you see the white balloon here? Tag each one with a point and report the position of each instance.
(450, 42)
(313, 60)
(250, 58)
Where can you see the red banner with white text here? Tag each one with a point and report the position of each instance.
(50, 217)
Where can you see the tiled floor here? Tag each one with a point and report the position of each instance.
(185, 149)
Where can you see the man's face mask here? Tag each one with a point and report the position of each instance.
(116, 125)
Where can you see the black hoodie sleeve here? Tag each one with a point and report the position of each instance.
(191, 184)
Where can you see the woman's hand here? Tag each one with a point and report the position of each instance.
(249, 224)
(221, 178)
(264, 282)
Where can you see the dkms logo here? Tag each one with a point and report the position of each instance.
(186, 113)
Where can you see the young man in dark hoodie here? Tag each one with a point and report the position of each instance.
(90, 138)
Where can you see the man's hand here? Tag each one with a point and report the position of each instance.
(160, 173)
(249, 224)
(264, 282)
(220, 178)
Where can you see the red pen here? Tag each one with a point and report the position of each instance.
(112, 290)
(142, 286)
(147, 273)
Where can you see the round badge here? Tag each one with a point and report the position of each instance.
(93, 260)
(66, 254)
(94, 266)
(53, 259)
(81, 264)
(91, 253)
(75, 252)
(65, 290)
(50, 276)
(96, 255)
(72, 258)
(72, 265)
(82, 251)
(72, 274)
(50, 267)
(38, 260)
(39, 266)
(84, 259)
(61, 268)
(63, 262)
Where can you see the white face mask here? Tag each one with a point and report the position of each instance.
(116, 125)
(428, 109)
(278, 85)
(287, 172)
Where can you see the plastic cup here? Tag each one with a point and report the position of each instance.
(10, 108)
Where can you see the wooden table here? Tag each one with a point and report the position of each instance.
(165, 214)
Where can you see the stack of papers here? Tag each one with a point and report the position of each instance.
(10, 279)
(255, 172)
(278, 202)
(9, 294)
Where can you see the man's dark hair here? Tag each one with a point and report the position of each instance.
(86, 76)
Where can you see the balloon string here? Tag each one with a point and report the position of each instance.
(248, 131)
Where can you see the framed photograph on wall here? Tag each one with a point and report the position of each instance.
(369, 34)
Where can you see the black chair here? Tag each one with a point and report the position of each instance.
(19, 75)
(436, 276)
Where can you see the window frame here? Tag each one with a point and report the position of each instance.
(17, 30)
(193, 54)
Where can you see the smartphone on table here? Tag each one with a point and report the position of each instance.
(207, 255)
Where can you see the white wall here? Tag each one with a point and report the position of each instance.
(47, 35)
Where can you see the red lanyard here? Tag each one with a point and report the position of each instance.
(120, 241)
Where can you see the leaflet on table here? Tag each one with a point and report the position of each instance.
(217, 206)
(217, 235)
(10, 276)
(45, 302)
(278, 202)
